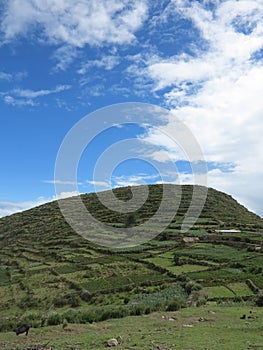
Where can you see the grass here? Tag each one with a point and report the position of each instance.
(169, 265)
(218, 292)
(240, 289)
(216, 252)
(208, 327)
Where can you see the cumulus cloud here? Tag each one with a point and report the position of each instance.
(75, 23)
(217, 91)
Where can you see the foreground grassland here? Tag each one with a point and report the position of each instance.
(208, 327)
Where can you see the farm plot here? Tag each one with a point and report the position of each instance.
(240, 289)
(215, 252)
(169, 265)
(231, 290)
(217, 292)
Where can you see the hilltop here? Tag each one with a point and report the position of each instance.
(50, 274)
(220, 209)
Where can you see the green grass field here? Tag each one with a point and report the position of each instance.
(208, 327)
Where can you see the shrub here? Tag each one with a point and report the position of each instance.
(201, 301)
(54, 319)
(175, 305)
(7, 325)
(71, 299)
(126, 300)
(65, 324)
(137, 310)
(86, 296)
(71, 316)
(259, 301)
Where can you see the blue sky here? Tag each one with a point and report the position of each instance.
(61, 60)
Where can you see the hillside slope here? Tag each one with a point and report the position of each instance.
(46, 220)
(46, 268)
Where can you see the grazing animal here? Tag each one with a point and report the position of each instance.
(243, 317)
(24, 328)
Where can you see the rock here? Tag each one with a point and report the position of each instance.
(172, 318)
(211, 312)
(188, 325)
(112, 342)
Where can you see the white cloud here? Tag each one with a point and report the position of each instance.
(64, 56)
(27, 93)
(6, 76)
(244, 186)
(12, 77)
(75, 23)
(63, 195)
(8, 208)
(25, 97)
(18, 102)
(179, 70)
(133, 180)
(217, 92)
(62, 182)
(106, 62)
(165, 148)
(101, 184)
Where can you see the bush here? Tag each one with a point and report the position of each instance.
(201, 301)
(71, 299)
(54, 319)
(126, 300)
(88, 316)
(86, 296)
(192, 286)
(65, 324)
(175, 305)
(113, 313)
(8, 325)
(259, 301)
(137, 310)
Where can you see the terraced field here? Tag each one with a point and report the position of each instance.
(49, 275)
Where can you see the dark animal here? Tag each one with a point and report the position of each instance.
(24, 328)
(243, 317)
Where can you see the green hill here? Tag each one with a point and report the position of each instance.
(50, 274)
